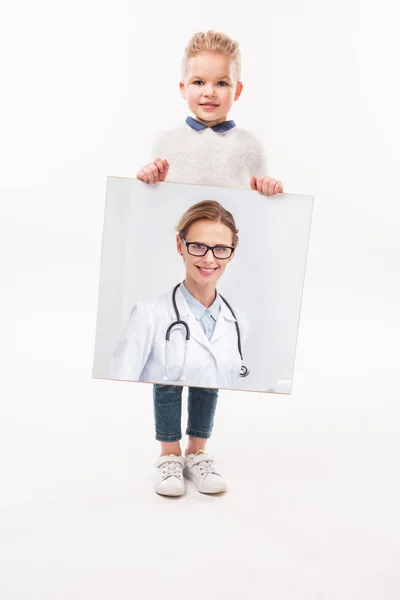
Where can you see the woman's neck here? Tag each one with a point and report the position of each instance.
(205, 294)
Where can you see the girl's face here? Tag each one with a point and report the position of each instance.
(210, 87)
(205, 270)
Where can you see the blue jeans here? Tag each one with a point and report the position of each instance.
(168, 412)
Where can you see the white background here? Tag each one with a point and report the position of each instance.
(312, 508)
(264, 282)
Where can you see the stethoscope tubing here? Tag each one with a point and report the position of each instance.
(244, 371)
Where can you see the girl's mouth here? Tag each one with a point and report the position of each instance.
(209, 106)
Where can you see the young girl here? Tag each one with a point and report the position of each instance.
(208, 149)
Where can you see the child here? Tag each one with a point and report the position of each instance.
(208, 150)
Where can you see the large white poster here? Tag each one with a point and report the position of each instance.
(153, 276)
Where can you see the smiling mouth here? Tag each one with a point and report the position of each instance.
(206, 271)
(209, 104)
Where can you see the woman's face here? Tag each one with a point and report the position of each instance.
(207, 269)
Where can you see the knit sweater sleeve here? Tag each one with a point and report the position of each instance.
(255, 157)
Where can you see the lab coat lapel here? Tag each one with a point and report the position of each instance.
(223, 324)
(196, 330)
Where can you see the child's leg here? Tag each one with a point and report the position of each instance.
(201, 409)
(167, 403)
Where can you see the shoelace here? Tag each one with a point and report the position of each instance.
(172, 469)
(206, 466)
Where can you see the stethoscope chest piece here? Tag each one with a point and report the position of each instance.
(244, 371)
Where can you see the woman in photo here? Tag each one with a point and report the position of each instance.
(203, 348)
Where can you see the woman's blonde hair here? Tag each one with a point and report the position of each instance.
(212, 41)
(208, 209)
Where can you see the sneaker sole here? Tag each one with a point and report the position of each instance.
(193, 480)
(176, 492)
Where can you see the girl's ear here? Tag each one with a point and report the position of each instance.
(182, 89)
(238, 90)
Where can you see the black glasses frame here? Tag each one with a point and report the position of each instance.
(188, 244)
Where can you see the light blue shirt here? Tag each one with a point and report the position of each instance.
(207, 317)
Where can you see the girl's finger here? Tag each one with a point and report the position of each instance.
(154, 172)
(265, 183)
(162, 176)
(277, 188)
(149, 174)
(142, 176)
(253, 183)
(271, 187)
(159, 164)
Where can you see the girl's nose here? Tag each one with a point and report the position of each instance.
(209, 89)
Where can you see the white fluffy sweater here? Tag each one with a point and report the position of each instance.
(206, 157)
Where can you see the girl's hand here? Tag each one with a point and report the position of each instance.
(154, 172)
(266, 186)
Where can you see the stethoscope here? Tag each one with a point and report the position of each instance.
(244, 371)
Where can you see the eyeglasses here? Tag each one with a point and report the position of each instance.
(196, 249)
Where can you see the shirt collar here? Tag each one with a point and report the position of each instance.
(225, 126)
(197, 308)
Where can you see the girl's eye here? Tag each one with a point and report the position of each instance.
(198, 81)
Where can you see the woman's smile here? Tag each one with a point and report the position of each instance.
(206, 270)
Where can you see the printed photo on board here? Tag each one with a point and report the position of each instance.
(200, 286)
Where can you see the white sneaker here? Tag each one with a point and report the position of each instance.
(170, 480)
(200, 468)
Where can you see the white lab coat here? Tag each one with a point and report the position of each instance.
(140, 351)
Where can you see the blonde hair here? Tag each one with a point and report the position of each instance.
(212, 41)
(208, 209)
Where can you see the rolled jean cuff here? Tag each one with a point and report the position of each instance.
(199, 434)
(168, 438)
